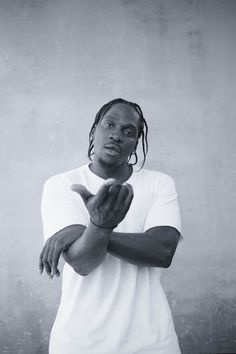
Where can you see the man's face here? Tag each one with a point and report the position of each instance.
(116, 134)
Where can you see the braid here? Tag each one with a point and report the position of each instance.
(143, 131)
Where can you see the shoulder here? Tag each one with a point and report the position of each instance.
(65, 179)
(158, 184)
(158, 178)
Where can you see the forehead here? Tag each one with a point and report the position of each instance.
(124, 113)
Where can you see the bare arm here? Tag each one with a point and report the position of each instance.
(88, 245)
(153, 248)
(89, 250)
(85, 248)
(107, 209)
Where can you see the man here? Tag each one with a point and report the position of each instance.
(116, 229)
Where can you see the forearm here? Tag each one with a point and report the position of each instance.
(89, 250)
(154, 248)
(150, 249)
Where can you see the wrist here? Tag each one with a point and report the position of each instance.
(101, 226)
(103, 233)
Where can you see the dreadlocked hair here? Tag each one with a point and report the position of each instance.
(143, 130)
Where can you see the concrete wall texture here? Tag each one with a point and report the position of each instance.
(60, 61)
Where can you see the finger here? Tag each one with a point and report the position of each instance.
(129, 187)
(50, 254)
(54, 253)
(111, 181)
(82, 191)
(122, 195)
(45, 260)
(55, 259)
(111, 199)
(129, 198)
(47, 269)
(103, 191)
(41, 265)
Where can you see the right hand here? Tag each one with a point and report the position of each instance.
(109, 206)
(55, 246)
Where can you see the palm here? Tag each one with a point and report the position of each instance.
(109, 206)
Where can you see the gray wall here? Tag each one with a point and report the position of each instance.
(60, 61)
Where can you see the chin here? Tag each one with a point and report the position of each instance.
(110, 161)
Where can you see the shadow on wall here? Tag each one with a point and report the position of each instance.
(209, 328)
(25, 327)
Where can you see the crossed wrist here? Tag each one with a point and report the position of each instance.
(102, 226)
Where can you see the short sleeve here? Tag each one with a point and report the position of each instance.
(164, 210)
(60, 207)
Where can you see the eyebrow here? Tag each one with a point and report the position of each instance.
(127, 125)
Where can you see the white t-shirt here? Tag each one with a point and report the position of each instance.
(118, 308)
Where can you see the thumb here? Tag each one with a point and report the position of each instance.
(82, 191)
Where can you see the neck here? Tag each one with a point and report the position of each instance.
(122, 173)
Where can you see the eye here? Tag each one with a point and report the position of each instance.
(128, 132)
(108, 124)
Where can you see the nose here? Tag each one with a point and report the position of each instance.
(116, 137)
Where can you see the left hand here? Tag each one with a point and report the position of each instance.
(54, 247)
(109, 206)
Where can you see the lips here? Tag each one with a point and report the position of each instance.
(113, 147)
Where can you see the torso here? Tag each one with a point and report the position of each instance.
(119, 307)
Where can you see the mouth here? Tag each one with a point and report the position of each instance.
(113, 148)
